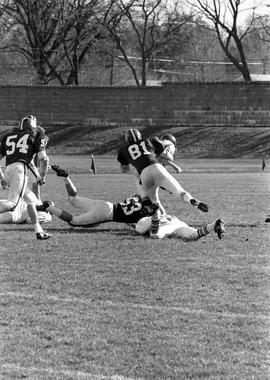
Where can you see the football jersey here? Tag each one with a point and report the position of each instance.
(170, 226)
(21, 146)
(131, 210)
(141, 154)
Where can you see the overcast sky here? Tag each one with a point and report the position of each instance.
(261, 7)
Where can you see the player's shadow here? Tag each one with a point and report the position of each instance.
(123, 232)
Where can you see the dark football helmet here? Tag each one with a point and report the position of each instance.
(169, 137)
(29, 123)
(133, 136)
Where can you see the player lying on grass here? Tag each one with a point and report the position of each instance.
(171, 226)
(98, 211)
(141, 155)
(20, 213)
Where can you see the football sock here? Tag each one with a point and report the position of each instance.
(32, 212)
(71, 189)
(66, 216)
(155, 221)
(38, 228)
(61, 214)
(202, 231)
(186, 197)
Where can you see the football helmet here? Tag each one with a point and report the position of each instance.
(28, 122)
(169, 137)
(133, 136)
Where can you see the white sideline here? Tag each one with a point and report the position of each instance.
(185, 310)
(65, 372)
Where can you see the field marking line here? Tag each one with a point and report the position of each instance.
(66, 372)
(90, 302)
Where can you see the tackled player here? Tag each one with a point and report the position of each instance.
(96, 211)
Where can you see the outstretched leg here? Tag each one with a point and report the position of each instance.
(71, 188)
(218, 227)
(95, 211)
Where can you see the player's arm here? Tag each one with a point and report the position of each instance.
(2, 177)
(167, 156)
(42, 157)
(1, 172)
(157, 145)
(44, 165)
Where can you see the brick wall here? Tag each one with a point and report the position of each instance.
(243, 104)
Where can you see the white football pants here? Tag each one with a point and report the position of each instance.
(96, 211)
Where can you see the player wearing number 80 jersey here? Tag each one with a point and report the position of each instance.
(19, 147)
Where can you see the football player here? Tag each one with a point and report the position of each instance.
(19, 146)
(169, 146)
(97, 211)
(141, 154)
(20, 214)
(171, 226)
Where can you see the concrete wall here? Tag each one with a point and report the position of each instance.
(241, 104)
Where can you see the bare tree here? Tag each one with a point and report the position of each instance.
(54, 36)
(263, 25)
(224, 15)
(148, 23)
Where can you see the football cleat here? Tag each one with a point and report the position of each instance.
(59, 171)
(43, 235)
(220, 228)
(267, 220)
(201, 206)
(44, 206)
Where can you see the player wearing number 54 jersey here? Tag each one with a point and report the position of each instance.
(141, 154)
(19, 146)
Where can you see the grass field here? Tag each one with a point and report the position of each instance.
(108, 304)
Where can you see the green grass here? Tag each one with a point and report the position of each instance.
(108, 304)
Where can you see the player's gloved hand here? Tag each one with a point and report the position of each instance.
(41, 180)
(4, 184)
